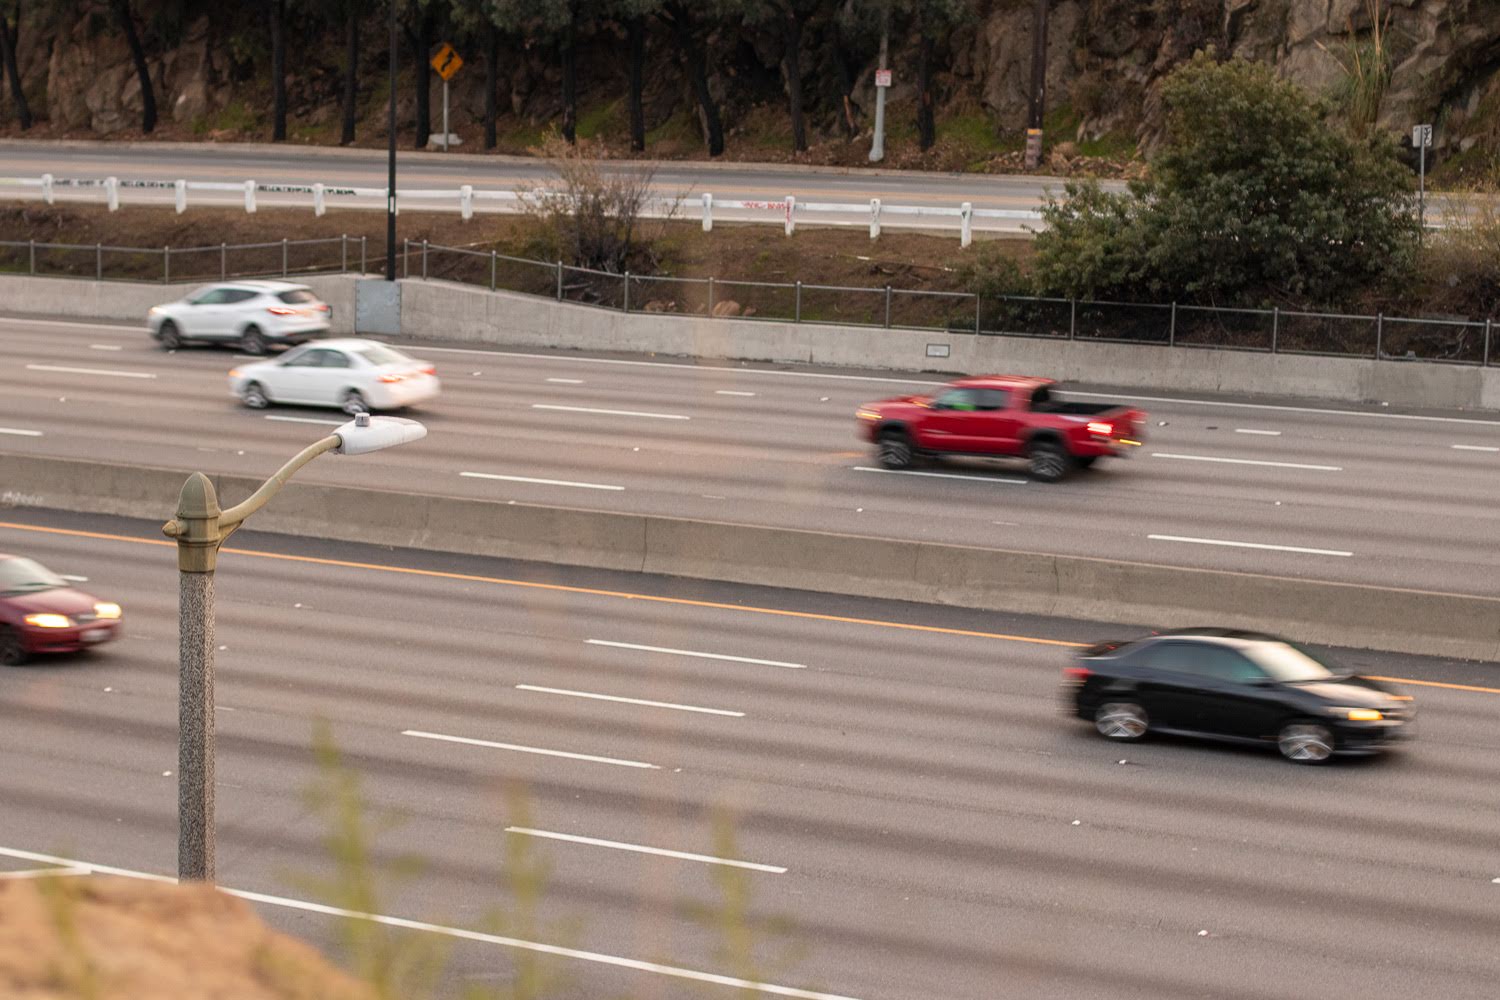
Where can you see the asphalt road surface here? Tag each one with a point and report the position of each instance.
(914, 817)
(1361, 494)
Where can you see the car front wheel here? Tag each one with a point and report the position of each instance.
(894, 451)
(1305, 742)
(254, 396)
(1122, 721)
(169, 336)
(12, 653)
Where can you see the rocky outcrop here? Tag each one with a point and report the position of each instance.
(92, 84)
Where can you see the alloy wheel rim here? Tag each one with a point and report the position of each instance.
(1306, 743)
(1119, 721)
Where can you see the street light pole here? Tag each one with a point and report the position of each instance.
(199, 529)
(390, 156)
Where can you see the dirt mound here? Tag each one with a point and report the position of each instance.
(125, 939)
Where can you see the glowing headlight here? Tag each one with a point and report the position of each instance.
(49, 621)
(107, 609)
(867, 414)
(1364, 715)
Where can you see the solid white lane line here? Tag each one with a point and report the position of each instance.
(1473, 447)
(20, 432)
(73, 579)
(520, 749)
(1251, 430)
(88, 371)
(1277, 407)
(79, 325)
(106, 347)
(458, 933)
(944, 475)
(731, 392)
(639, 849)
(539, 482)
(1248, 461)
(629, 701)
(609, 413)
(695, 653)
(567, 381)
(1250, 545)
(305, 420)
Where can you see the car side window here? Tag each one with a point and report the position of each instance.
(1228, 665)
(306, 359)
(234, 295)
(334, 359)
(991, 399)
(1178, 657)
(957, 399)
(212, 297)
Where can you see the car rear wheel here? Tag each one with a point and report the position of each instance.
(1050, 461)
(169, 336)
(254, 396)
(1123, 721)
(353, 403)
(1305, 742)
(12, 653)
(252, 341)
(894, 451)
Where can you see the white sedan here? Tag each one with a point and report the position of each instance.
(357, 376)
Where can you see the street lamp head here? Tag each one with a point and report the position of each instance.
(366, 433)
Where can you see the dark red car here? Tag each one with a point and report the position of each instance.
(999, 416)
(40, 612)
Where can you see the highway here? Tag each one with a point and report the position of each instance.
(1367, 495)
(909, 799)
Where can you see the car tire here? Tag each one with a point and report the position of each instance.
(894, 451)
(255, 396)
(169, 336)
(352, 403)
(12, 653)
(1304, 741)
(1121, 721)
(252, 341)
(1049, 461)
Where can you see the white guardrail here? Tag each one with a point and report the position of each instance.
(784, 212)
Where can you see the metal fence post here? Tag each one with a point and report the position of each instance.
(406, 257)
(625, 298)
(223, 261)
(797, 309)
(424, 260)
(1072, 319)
(1172, 330)
(1275, 326)
(887, 307)
(32, 255)
(98, 261)
(1487, 324)
(166, 265)
(978, 302)
(363, 240)
(559, 281)
(343, 252)
(494, 264)
(283, 256)
(1379, 334)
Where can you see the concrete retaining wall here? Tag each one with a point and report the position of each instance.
(1100, 589)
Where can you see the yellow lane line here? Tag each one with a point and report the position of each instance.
(1436, 684)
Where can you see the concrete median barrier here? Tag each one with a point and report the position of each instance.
(1384, 618)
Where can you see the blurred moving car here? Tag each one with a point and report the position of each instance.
(252, 314)
(1233, 685)
(40, 612)
(996, 416)
(357, 376)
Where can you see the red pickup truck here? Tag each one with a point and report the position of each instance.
(998, 416)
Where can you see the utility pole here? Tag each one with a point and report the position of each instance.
(877, 148)
(1038, 86)
(390, 189)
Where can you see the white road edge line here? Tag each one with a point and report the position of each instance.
(1252, 430)
(105, 347)
(731, 392)
(20, 432)
(1280, 408)
(88, 371)
(1250, 545)
(1247, 461)
(539, 482)
(944, 475)
(629, 701)
(79, 324)
(304, 420)
(1473, 447)
(567, 381)
(522, 749)
(459, 933)
(695, 653)
(609, 413)
(640, 849)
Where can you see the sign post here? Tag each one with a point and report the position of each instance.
(1421, 137)
(446, 63)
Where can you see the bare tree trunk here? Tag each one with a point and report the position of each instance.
(636, 31)
(846, 83)
(121, 9)
(276, 12)
(569, 55)
(792, 66)
(8, 45)
(926, 125)
(692, 50)
(491, 80)
(421, 43)
(351, 74)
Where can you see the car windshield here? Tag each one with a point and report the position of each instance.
(1286, 662)
(297, 295)
(377, 355)
(22, 576)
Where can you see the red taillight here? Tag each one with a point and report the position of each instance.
(1076, 674)
(390, 378)
(1103, 428)
(430, 370)
(323, 307)
(280, 311)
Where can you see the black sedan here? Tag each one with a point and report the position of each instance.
(1239, 686)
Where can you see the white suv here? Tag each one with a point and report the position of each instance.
(254, 314)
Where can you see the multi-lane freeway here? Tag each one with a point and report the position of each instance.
(909, 798)
(1369, 494)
